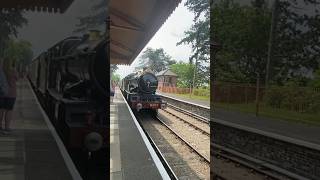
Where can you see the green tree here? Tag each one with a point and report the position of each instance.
(155, 59)
(184, 72)
(115, 77)
(297, 46)
(19, 50)
(98, 17)
(113, 68)
(198, 37)
(316, 81)
(10, 20)
(244, 33)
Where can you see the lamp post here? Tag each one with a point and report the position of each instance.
(194, 75)
(271, 37)
(195, 68)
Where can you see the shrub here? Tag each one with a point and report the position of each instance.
(201, 92)
(274, 97)
(293, 98)
(314, 106)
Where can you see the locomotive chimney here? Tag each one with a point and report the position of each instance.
(94, 35)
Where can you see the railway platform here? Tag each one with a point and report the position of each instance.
(131, 155)
(296, 130)
(194, 101)
(31, 150)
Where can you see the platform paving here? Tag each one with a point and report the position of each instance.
(129, 156)
(296, 130)
(30, 152)
(195, 101)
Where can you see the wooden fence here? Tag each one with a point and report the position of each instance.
(174, 90)
(298, 99)
(236, 93)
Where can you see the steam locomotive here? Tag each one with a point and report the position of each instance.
(139, 90)
(70, 81)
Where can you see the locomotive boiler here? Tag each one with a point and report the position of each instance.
(139, 90)
(70, 81)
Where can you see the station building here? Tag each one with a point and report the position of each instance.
(167, 80)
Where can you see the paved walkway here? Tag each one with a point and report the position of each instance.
(129, 156)
(296, 130)
(30, 152)
(201, 102)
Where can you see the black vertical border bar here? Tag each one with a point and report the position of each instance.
(212, 85)
(211, 88)
(108, 84)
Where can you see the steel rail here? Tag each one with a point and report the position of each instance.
(220, 151)
(194, 108)
(191, 114)
(160, 155)
(183, 101)
(184, 141)
(183, 120)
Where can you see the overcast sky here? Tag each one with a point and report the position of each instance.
(46, 29)
(171, 32)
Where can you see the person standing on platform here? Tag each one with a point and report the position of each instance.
(8, 101)
(3, 93)
(3, 84)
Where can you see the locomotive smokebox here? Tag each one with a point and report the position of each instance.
(139, 89)
(148, 83)
(145, 82)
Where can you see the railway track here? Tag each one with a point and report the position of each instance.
(197, 137)
(227, 165)
(179, 135)
(191, 114)
(185, 161)
(204, 158)
(231, 166)
(198, 122)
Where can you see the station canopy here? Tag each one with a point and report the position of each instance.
(133, 24)
(52, 6)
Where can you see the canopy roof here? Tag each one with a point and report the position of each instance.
(133, 24)
(37, 5)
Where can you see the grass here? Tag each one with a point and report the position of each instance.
(264, 111)
(202, 98)
(310, 118)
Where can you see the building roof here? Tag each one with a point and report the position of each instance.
(133, 24)
(53, 6)
(166, 72)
